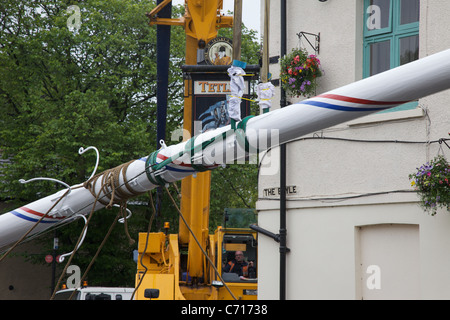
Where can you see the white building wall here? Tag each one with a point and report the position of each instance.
(323, 233)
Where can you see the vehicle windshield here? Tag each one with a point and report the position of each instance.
(65, 295)
(239, 258)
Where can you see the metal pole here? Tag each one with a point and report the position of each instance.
(283, 230)
(162, 74)
(162, 65)
(55, 247)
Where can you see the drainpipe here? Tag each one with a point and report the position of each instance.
(283, 248)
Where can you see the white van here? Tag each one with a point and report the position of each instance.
(95, 293)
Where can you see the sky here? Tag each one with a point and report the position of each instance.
(250, 12)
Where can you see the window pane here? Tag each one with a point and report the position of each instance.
(409, 49)
(378, 14)
(380, 57)
(409, 12)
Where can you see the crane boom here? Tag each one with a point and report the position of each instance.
(386, 90)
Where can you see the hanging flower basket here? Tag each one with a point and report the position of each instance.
(299, 72)
(432, 182)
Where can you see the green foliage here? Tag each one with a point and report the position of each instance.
(250, 48)
(236, 186)
(432, 182)
(62, 89)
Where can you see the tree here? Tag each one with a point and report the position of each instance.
(64, 88)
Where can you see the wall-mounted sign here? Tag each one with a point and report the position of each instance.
(219, 51)
(209, 100)
(209, 87)
(290, 190)
(216, 87)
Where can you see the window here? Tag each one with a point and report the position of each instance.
(391, 37)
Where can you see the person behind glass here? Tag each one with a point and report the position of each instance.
(239, 265)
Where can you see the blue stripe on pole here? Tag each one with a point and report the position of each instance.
(19, 215)
(179, 170)
(338, 107)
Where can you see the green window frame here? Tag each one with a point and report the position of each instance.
(394, 33)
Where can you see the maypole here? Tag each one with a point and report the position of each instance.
(213, 148)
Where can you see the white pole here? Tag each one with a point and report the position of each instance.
(208, 150)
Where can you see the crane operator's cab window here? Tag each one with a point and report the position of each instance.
(239, 258)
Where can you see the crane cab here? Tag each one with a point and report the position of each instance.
(236, 237)
(228, 242)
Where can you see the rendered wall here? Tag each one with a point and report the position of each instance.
(322, 234)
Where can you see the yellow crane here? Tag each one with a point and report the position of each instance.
(162, 267)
